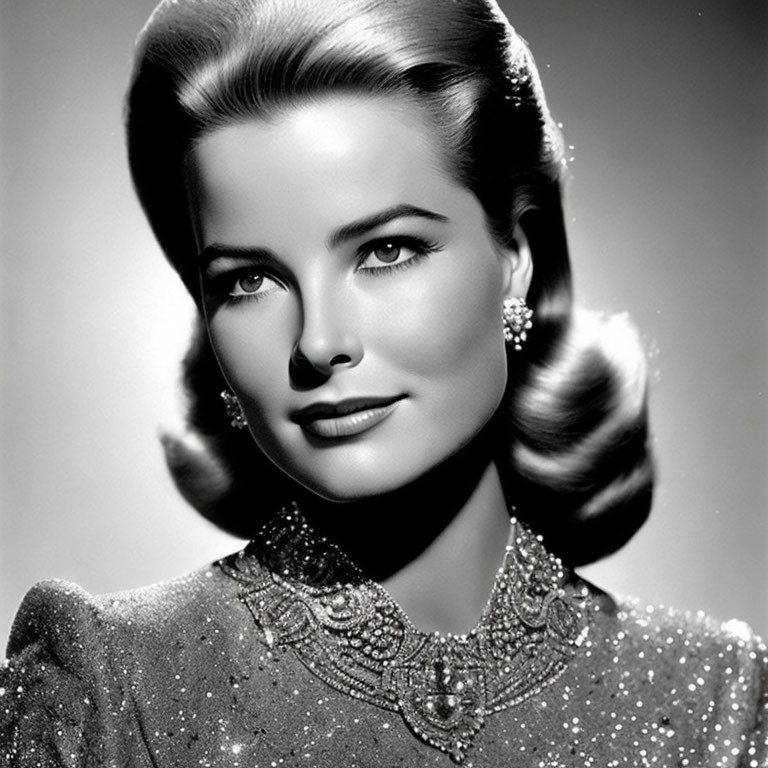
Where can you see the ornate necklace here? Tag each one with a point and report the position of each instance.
(305, 594)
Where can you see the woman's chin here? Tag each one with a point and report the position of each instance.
(350, 492)
(351, 487)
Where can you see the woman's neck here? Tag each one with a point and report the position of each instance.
(447, 586)
(435, 545)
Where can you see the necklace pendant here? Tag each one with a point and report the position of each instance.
(442, 693)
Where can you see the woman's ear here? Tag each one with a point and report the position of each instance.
(518, 264)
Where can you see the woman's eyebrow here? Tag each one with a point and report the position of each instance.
(338, 236)
(362, 226)
(218, 251)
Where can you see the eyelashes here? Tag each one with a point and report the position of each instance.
(383, 255)
(246, 283)
(255, 281)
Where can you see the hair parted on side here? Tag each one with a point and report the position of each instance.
(575, 456)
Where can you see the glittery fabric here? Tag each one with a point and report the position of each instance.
(197, 672)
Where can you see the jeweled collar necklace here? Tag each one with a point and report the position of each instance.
(306, 595)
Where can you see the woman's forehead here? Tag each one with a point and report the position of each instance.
(325, 163)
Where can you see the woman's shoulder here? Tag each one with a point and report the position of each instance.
(704, 680)
(638, 626)
(699, 655)
(662, 625)
(71, 622)
(75, 660)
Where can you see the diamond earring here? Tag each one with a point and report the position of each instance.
(517, 316)
(234, 410)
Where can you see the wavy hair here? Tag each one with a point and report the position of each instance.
(574, 447)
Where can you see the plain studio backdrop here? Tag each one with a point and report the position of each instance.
(664, 109)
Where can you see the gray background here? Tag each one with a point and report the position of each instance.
(664, 104)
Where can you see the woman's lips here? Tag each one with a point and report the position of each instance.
(345, 418)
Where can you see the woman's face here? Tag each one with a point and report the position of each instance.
(352, 290)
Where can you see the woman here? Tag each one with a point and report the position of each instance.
(364, 200)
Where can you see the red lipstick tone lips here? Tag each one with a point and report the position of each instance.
(346, 417)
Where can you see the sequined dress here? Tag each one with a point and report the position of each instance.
(285, 655)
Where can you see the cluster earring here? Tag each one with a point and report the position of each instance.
(517, 316)
(234, 410)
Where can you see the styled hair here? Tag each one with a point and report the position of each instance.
(573, 438)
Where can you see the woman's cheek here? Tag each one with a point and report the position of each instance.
(252, 355)
(447, 322)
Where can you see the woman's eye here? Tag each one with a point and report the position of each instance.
(247, 284)
(384, 255)
(239, 285)
(387, 253)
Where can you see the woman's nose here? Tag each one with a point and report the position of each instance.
(328, 340)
